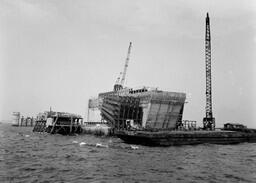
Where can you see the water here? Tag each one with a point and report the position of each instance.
(33, 157)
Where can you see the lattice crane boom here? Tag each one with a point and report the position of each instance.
(126, 64)
(209, 120)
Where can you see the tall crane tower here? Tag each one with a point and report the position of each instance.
(120, 85)
(209, 120)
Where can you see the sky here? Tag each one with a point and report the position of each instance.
(61, 53)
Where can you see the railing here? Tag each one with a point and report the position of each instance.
(187, 125)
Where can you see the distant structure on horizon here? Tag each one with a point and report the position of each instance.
(19, 120)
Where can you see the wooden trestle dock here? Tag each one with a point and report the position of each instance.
(59, 123)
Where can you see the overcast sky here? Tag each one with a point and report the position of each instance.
(61, 53)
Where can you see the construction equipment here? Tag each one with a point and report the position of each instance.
(117, 85)
(209, 120)
(120, 84)
(118, 79)
(126, 64)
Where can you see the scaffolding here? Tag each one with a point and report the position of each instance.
(120, 111)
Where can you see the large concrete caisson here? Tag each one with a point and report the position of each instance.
(162, 110)
(156, 109)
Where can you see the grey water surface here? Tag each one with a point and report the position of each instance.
(33, 157)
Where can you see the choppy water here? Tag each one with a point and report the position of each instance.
(32, 157)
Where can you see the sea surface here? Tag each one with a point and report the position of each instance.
(33, 157)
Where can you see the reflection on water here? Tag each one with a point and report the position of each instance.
(34, 157)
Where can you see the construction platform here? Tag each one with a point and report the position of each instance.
(142, 108)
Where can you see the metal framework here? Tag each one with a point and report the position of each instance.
(209, 120)
(126, 64)
(118, 110)
(120, 81)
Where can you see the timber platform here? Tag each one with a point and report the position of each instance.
(59, 123)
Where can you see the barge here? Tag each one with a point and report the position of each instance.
(171, 138)
(154, 118)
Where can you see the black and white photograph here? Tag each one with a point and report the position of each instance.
(127, 91)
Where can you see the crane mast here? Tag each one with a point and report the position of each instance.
(126, 64)
(209, 120)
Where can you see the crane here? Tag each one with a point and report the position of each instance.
(118, 79)
(119, 84)
(209, 120)
(126, 64)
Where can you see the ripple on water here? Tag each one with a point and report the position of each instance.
(50, 158)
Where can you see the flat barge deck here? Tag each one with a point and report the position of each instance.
(172, 138)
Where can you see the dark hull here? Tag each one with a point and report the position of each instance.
(173, 138)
